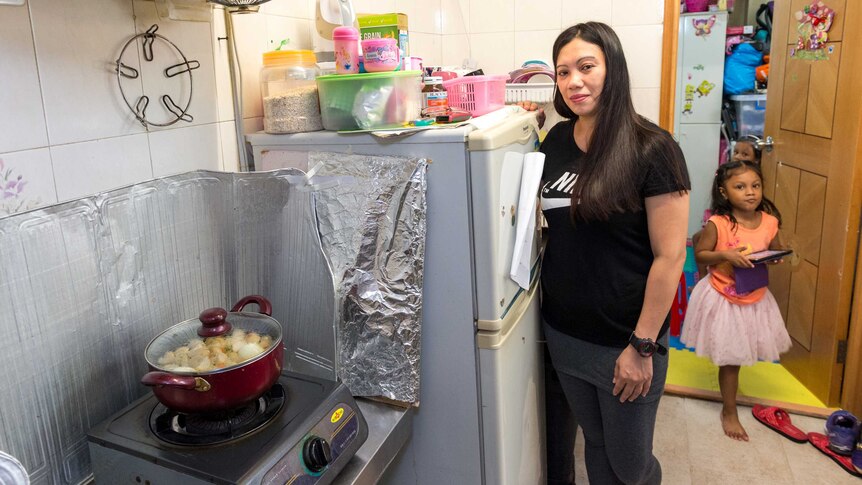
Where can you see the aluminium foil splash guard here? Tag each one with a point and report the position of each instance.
(86, 284)
(377, 269)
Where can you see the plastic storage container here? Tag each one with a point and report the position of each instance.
(477, 94)
(380, 55)
(692, 6)
(750, 113)
(368, 101)
(289, 92)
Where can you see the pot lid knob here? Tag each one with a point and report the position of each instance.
(213, 322)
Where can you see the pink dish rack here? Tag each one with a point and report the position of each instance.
(477, 94)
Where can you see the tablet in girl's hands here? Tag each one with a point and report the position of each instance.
(768, 255)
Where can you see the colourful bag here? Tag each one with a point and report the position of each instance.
(739, 69)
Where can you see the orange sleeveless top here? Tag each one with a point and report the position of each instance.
(721, 275)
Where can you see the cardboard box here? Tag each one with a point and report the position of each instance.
(391, 25)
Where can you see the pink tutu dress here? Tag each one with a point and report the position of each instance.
(728, 327)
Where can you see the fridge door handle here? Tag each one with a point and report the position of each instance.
(496, 339)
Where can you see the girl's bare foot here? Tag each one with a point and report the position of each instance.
(732, 426)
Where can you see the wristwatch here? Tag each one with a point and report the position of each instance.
(646, 346)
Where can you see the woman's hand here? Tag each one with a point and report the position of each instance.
(531, 106)
(736, 258)
(632, 375)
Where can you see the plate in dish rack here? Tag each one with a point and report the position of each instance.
(535, 92)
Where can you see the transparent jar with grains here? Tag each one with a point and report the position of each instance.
(289, 91)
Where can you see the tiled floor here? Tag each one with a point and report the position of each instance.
(692, 449)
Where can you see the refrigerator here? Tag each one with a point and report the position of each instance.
(697, 118)
(480, 419)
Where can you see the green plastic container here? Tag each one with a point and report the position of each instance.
(369, 101)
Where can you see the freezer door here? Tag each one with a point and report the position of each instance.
(495, 181)
(512, 375)
(700, 74)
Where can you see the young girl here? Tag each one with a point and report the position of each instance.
(732, 328)
(746, 149)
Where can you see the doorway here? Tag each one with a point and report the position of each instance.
(813, 115)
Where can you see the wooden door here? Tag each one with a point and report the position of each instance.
(814, 175)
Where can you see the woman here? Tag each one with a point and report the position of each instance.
(615, 196)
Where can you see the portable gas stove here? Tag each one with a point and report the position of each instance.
(302, 431)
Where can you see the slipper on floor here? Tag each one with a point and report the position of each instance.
(821, 442)
(778, 420)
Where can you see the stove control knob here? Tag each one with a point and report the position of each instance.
(316, 453)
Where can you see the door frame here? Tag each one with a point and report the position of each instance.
(851, 386)
(669, 46)
(851, 390)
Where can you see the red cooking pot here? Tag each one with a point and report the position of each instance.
(218, 361)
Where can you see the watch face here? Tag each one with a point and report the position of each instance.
(646, 348)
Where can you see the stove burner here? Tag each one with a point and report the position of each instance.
(193, 424)
(209, 429)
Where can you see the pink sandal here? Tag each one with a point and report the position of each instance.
(821, 442)
(778, 420)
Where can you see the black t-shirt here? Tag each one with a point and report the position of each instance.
(594, 273)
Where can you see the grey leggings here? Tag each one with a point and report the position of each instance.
(560, 430)
(618, 436)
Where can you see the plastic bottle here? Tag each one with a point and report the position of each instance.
(346, 40)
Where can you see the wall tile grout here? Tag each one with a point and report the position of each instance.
(444, 43)
(114, 137)
(42, 99)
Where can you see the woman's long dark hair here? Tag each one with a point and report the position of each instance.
(721, 205)
(622, 140)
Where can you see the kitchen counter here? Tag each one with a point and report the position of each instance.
(389, 427)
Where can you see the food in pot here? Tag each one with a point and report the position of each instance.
(212, 353)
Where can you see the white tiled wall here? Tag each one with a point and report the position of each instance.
(66, 132)
(499, 35)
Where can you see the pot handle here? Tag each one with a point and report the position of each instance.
(262, 302)
(173, 380)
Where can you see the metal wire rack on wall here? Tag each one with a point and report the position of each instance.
(179, 111)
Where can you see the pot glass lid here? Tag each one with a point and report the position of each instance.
(12, 471)
(217, 340)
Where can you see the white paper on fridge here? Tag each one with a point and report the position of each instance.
(525, 228)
